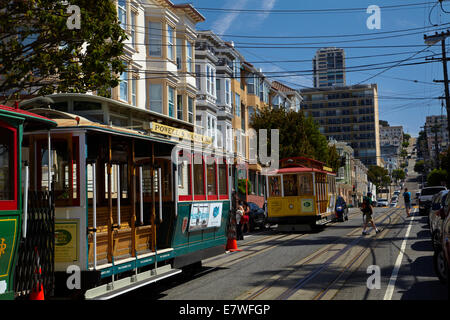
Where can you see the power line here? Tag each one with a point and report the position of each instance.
(312, 11)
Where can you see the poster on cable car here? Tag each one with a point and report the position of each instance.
(205, 215)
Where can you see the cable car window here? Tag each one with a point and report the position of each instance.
(274, 186)
(211, 176)
(223, 190)
(290, 185)
(64, 170)
(7, 164)
(184, 180)
(199, 177)
(306, 184)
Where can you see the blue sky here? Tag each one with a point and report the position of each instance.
(396, 82)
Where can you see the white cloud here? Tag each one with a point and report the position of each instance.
(224, 23)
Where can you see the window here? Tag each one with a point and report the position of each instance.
(184, 179)
(133, 29)
(228, 92)
(274, 187)
(179, 54)
(133, 91)
(170, 42)
(198, 77)
(123, 87)
(156, 97)
(64, 169)
(251, 84)
(8, 168)
(229, 137)
(237, 104)
(189, 56)
(155, 39)
(199, 177)
(223, 179)
(191, 110)
(290, 185)
(305, 183)
(171, 102)
(122, 12)
(180, 107)
(211, 178)
(208, 79)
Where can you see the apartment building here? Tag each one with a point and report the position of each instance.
(285, 97)
(391, 136)
(329, 68)
(436, 130)
(348, 114)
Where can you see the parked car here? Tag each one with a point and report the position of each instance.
(416, 199)
(341, 209)
(382, 202)
(257, 216)
(436, 216)
(441, 257)
(426, 195)
(394, 202)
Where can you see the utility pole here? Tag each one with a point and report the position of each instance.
(431, 40)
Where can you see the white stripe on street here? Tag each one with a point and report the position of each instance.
(398, 263)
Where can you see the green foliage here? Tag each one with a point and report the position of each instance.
(299, 135)
(406, 137)
(378, 176)
(398, 174)
(403, 153)
(437, 177)
(241, 186)
(419, 167)
(405, 144)
(40, 55)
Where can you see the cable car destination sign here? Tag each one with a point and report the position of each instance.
(179, 133)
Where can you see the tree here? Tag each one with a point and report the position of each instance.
(378, 176)
(299, 135)
(403, 153)
(419, 167)
(40, 54)
(406, 137)
(398, 174)
(437, 177)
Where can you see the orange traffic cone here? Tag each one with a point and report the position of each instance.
(38, 293)
(232, 245)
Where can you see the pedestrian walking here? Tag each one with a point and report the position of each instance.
(239, 226)
(246, 217)
(407, 198)
(367, 210)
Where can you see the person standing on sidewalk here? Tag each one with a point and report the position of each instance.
(407, 198)
(239, 226)
(366, 208)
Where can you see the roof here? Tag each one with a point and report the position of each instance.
(28, 116)
(298, 170)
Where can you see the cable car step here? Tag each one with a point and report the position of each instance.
(122, 286)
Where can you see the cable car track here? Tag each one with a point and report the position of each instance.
(299, 284)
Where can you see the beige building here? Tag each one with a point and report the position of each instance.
(348, 114)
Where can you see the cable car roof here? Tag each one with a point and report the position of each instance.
(298, 170)
(27, 116)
